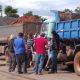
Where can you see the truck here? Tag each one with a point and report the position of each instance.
(7, 30)
(69, 32)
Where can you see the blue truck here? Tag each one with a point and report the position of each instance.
(69, 32)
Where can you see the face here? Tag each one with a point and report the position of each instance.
(28, 36)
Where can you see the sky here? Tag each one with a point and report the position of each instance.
(40, 7)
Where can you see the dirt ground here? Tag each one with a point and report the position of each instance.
(61, 75)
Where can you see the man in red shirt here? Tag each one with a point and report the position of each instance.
(40, 45)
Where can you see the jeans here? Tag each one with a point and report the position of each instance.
(54, 61)
(29, 58)
(39, 63)
(21, 60)
(50, 54)
(12, 64)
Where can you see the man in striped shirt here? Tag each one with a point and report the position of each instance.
(29, 47)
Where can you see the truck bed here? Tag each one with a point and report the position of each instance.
(69, 29)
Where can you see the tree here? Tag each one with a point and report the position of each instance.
(77, 10)
(68, 10)
(10, 12)
(40, 18)
(29, 13)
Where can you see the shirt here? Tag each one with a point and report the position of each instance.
(19, 45)
(11, 46)
(40, 44)
(29, 44)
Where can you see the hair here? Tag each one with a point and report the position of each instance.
(42, 35)
(54, 33)
(11, 36)
(31, 36)
(20, 34)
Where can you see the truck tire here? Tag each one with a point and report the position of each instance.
(77, 63)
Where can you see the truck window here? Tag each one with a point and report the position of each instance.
(44, 27)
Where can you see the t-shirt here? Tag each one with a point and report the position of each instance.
(29, 44)
(19, 45)
(40, 44)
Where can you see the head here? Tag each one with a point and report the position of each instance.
(54, 34)
(36, 35)
(11, 36)
(29, 36)
(42, 34)
(20, 34)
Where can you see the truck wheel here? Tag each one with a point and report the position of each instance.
(77, 63)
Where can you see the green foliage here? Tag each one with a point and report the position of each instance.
(29, 13)
(10, 12)
(68, 10)
(77, 10)
(14, 15)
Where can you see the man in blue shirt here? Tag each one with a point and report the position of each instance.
(20, 52)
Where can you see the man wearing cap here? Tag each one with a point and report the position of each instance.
(40, 45)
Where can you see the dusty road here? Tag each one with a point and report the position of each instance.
(61, 75)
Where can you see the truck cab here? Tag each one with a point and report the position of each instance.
(48, 26)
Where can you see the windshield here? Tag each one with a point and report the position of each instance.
(44, 27)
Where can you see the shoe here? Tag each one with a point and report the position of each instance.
(46, 69)
(36, 73)
(20, 72)
(39, 73)
(25, 71)
(28, 66)
(51, 72)
(13, 70)
(55, 71)
(10, 71)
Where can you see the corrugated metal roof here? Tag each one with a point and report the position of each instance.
(6, 20)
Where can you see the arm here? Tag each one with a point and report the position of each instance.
(46, 44)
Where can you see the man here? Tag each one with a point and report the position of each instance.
(20, 52)
(40, 45)
(12, 58)
(54, 51)
(29, 47)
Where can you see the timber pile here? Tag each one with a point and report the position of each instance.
(64, 16)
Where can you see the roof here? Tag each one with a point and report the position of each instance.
(23, 19)
(6, 20)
